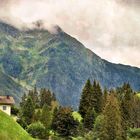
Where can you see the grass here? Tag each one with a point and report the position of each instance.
(10, 130)
(138, 95)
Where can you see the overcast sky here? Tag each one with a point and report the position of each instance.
(110, 28)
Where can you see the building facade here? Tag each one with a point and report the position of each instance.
(6, 103)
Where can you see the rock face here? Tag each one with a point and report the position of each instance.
(58, 62)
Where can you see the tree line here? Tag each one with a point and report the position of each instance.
(109, 114)
(103, 114)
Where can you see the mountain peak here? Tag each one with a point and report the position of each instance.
(9, 29)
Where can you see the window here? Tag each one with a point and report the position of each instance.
(4, 107)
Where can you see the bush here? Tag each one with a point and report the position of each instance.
(22, 123)
(37, 130)
(63, 122)
(14, 110)
(134, 133)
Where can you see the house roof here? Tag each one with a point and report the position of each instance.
(7, 100)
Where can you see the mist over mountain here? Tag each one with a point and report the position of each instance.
(103, 26)
(56, 61)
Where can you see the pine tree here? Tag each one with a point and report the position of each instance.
(85, 101)
(46, 116)
(89, 119)
(126, 105)
(45, 97)
(34, 95)
(64, 123)
(37, 115)
(28, 110)
(104, 97)
(21, 119)
(31, 94)
(53, 97)
(36, 99)
(112, 127)
(98, 98)
(136, 111)
(23, 99)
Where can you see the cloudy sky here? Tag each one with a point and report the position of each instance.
(110, 28)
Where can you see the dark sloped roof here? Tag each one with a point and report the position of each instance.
(7, 100)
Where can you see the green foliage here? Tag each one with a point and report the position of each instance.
(14, 110)
(45, 97)
(127, 105)
(22, 122)
(134, 133)
(89, 119)
(59, 138)
(104, 97)
(99, 127)
(28, 110)
(77, 138)
(23, 100)
(77, 116)
(136, 111)
(37, 130)
(37, 115)
(87, 136)
(34, 95)
(85, 99)
(91, 103)
(64, 123)
(97, 96)
(46, 116)
(31, 112)
(112, 127)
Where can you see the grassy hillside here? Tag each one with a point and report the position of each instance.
(10, 130)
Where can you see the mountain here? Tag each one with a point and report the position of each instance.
(58, 62)
(11, 130)
(9, 87)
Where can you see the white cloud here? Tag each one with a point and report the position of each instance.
(108, 27)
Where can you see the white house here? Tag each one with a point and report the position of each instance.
(5, 103)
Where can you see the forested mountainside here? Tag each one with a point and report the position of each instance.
(57, 61)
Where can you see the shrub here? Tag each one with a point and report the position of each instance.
(22, 123)
(63, 122)
(37, 130)
(14, 110)
(134, 133)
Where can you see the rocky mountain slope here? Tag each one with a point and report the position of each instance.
(58, 62)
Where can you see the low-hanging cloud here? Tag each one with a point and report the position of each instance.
(108, 27)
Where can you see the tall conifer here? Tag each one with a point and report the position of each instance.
(113, 129)
(85, 102)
